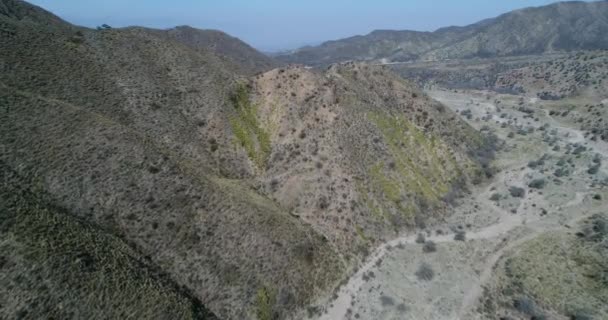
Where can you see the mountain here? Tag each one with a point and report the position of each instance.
(564, 26)
(247, 58)
(146, 174)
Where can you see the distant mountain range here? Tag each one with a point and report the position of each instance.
(249, 59)
(564, 26)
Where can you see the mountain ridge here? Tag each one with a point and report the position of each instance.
(562, 26)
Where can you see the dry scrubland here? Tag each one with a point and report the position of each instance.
(180, 173)
(154, 164)
(530, 243)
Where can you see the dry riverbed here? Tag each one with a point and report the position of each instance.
(441, 273)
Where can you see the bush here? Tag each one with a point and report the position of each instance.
(580, 316)
(537, 184)
(420, 238)
(429, 247)
(495, 197)
(425, 272)
(533, 164)
(579, 150)
(525, 306)
(213, 145)
(561, 172)
(597, 159)
(460, 236)
(517, 192)
(594, 169)
(387, 301)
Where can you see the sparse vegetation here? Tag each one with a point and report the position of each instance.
(143, 170)
(247, 130)
(265, 301)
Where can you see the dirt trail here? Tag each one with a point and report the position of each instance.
(474, 293)
(510, 222)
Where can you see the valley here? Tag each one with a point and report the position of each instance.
(388, 285)
(179, 173)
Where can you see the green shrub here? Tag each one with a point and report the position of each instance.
(537, 183)
(265, 301)
(247, 130)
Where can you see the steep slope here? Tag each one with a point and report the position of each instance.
(564, 26)
(119, 127)
(256, 195)
(55, 266)
(247, 58)
(358, 152)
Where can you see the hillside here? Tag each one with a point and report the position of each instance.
(214, 192)
(564, 26)
(247, 58)
(576, 74)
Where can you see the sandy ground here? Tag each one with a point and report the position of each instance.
(386, 285)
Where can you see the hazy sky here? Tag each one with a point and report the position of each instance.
(284, 24)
